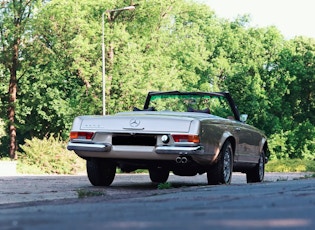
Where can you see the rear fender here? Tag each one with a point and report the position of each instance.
(225, 136)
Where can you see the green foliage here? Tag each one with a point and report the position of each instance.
(15, 34)
(294, 106)
(48, 156)
(277, 145)
(2, 128)
(303, 148)
(166, 185)
(161, 45)
(63, 81)
(2, 136)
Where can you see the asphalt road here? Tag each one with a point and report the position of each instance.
(132, 202)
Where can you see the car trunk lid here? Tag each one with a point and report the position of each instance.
(138, 123)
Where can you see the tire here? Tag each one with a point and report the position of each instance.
(221, 172)
(257, 174)
(159, 175)
(100, 172)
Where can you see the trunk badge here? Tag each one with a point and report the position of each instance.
(134, 122)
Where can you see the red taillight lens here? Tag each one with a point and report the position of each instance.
(81, 135)
(186, 138)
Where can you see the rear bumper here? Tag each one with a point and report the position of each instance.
(92, 147)
(106, 150)
(180, 150)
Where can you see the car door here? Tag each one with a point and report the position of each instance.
(248, 139)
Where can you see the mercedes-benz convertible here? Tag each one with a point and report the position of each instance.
(186, 133)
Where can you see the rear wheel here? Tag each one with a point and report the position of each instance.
(101, 172)
(257, 173)
(159, 175)
(221, 172)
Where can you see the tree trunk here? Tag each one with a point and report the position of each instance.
(12, 101)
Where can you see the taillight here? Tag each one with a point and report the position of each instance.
(81, 135)
(186, 138)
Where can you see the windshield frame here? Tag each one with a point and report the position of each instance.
(225, 95)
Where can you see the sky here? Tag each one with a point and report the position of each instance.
(291, 17)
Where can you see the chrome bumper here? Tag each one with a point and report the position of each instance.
(179, 150)
(106, 147)
(93, 147)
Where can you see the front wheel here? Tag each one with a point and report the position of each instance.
(257, 173)
(221, 172)
(101, 172)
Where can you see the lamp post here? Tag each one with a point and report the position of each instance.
(103, 50)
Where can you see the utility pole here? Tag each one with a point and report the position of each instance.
(111, 17)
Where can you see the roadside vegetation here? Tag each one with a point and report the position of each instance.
(74, 165)
(291, 165)
(48, 156)
(166, 185)
(84, 193)
(51, 71)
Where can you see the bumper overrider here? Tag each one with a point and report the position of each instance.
(106, 147)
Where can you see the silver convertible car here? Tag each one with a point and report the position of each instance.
(187, 133)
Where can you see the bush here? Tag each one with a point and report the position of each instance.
(2, 135)
(277, 144)
(298, 143)
(48, 156)
(2, 128)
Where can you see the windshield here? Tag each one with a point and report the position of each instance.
(202, 103)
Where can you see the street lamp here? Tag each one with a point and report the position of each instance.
(103, 49)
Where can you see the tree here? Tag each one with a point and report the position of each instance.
(64, 79)
(52, 65)
(15, 19)
(297, 109)
(163, 48)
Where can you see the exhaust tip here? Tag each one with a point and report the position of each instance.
(184, 160)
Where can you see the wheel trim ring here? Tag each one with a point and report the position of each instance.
(227, 165)
(261, 167)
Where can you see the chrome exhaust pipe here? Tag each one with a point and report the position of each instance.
(184, 160)
(178, 160)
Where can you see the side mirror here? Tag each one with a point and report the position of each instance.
(243, 117)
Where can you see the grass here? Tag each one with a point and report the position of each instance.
(82, 193)
(166, 185)
(290, 165)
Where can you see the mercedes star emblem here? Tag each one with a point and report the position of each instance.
(134, 122)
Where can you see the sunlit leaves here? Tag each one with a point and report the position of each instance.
(161, 45)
